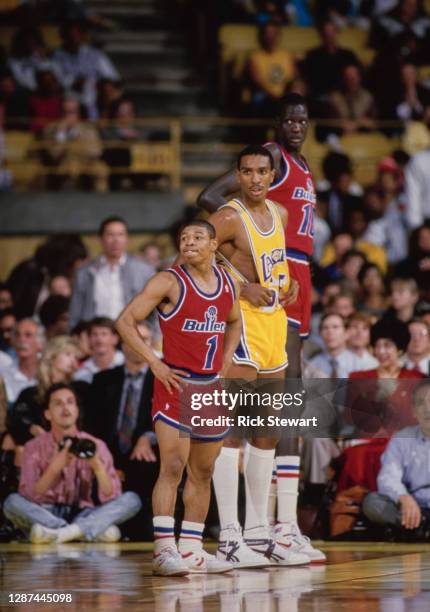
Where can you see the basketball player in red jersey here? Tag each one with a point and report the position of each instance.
(200, 321)
(294, 189)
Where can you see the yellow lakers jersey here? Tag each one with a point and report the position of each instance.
(268, 252)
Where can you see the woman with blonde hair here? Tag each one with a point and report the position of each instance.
(59, 363)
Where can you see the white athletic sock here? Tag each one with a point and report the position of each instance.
(191, 536)
(69, 533)
(287, 474)
(164, 533)
(273, 491)
(226, 484)
(258, 475)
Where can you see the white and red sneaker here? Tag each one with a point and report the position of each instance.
(168, 562)
(201, 562)
(289, 536)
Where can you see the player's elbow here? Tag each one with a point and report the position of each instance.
(205, 201)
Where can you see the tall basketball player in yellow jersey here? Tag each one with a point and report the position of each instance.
(250, 232)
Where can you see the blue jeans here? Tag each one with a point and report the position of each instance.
(92, 521)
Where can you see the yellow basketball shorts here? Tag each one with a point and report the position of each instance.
(263, 341)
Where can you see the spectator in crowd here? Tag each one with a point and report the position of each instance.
(324, 64)
(407, 18)
(46, 101)
(103, 341)
(403, 496)
(79, 333)
(417, 263)
(358, 342)
(269, 70)
(6, 300)
(417, 355)
(383, 407)
(14, 102)
(121, 416)
(385, 205)
(373, 298)
(28, 54)
(151, 254)
(404, 297)
(339, 192)
(81, 65)
(60, 285)
(7, 324)
(59, 363)
(350, 267)
(108, 92)
(417, 187)
(55, 502)
(28, 342)
(107, 283)
(414, 99)
(337, 361)
(351, 104)
(54, 315)
(73, 148)
(343, 304)
(29, 281)
(331, 261)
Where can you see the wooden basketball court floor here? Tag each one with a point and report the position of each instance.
(359, 577)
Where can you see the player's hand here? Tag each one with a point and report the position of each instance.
(410, 512)
(170, 377)
(291, 295)
(256, 295)
(143, 450)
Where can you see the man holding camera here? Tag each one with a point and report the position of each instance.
(59, 470)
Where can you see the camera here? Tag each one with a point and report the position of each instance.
(82, 448)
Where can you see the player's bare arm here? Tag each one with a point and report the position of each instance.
(232, 333)
(161, 289)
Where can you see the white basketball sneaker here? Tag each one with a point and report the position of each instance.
(201, 562)
(263, 544)
(39, 534)
(168, 562)
(233, 549)
(289, 536)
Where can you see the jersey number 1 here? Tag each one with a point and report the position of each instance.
(307, 225)
(212, 343)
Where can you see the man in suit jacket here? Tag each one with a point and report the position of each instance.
(121, 416)
(107, 283)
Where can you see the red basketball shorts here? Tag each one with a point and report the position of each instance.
(299, 313)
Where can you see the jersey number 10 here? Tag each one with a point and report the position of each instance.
(307, 226)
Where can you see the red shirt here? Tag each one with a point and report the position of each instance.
(44, 111)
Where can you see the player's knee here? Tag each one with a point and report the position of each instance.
(201, 474)
(172, 469)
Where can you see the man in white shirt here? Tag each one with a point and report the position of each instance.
(103, 342)
(417, 188)
(28, 340)
(107, 283)
(417, 355)
(358, 342)
(337, 361)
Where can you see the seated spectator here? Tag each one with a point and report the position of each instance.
(403, 495)
(351, 105)
(28, 341)
(6, 300)
(373, 298)
(60, 285)
(417, 355)
(45, 102)
(151, 254)
(332, 261)
(29, 281)
(73, 147)
(336, 360)
(107, 283)
(79, 333)
(406, 18)
(269, 70)
(382, 408)
(14, 103)
(358, 342)
(350, 267)
(414, 99)
(28, 54)
(103, 341)
(417, 264)
(108, 92)
(55, 502)
(385, 205)
(59, 363)
(324, 64)
(417, 187)
(82, 65)
(404, 297)
(7, 325)
(343, 304)
(121, 416)
(54, 316)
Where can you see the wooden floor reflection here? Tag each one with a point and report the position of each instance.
(357, 578)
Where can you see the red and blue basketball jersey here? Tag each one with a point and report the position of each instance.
(193, 331)
(295, 190)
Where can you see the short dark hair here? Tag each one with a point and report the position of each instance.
(256, 150)
(80, 327)
(331, 314)
(53, 308)
(200, 223)
(291, 99)
(420, 385)
(102, 322)
(7, 312)
(108, 221)
(57, 387)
